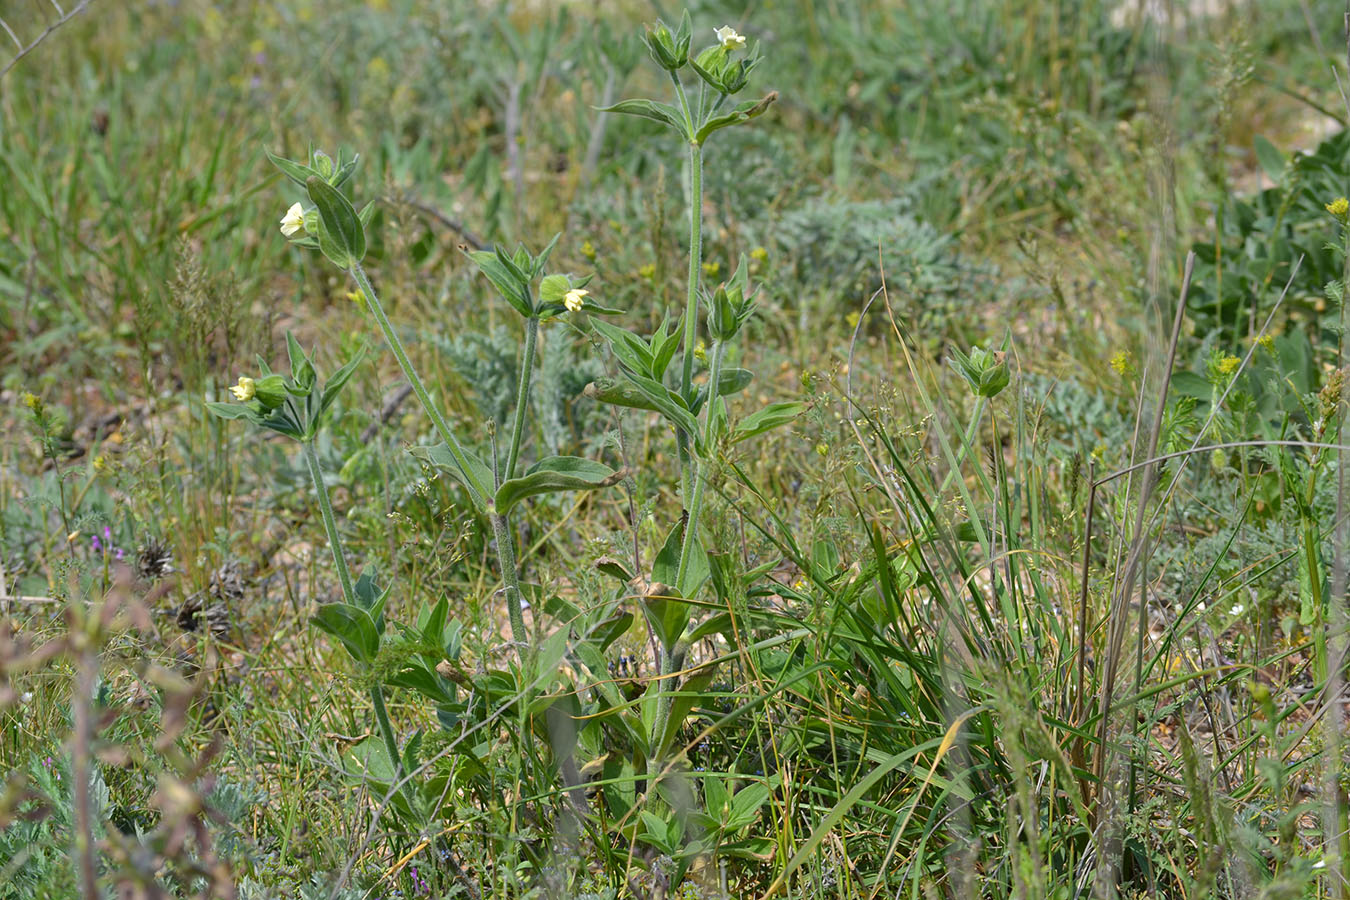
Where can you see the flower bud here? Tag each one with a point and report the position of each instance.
(670, 51)
(323, 164)
(270, 391)
(986, 371)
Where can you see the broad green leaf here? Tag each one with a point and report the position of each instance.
(553, 288)
(746, 803)
(744, 111)
(631, 350)
(665, 341)
(504, 276)
(442, 457)
(339, 379)
(230, 410)
(351, 625)
(293, 170)
(341, 223)
(1270, 158)
(371, 597)
(770, 417)
(729, 381)
(636, 392)
(650, 109)
(690, 692)
(553, 474)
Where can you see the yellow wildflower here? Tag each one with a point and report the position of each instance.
(1228, 365)
(1121, 363)
(244, 390)
(573, 299)
(759, 254)
(647, 270)
(588, 251)
(1339, 207)
(712, 268)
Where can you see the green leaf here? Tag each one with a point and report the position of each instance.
(631, 350)
(553, 474)
(609, 630)
(746, 803)
(1270, 158)
(636, 392)
(443, 458)
(366, 214)
(504, 276)
(344, 171)
(538, 262)
(351, 625)
(231, 410)
(613, 568)
(339, 379)
(743, 112)
(650, 109)
(340, 220)
(665, 341)
(690, 693)
(371, 597)
(554, 288)
(770, 417)
(729, 381)
(292, 170)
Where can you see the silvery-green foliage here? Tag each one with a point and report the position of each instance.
(566, 418)
(834, 243)
(489, 363)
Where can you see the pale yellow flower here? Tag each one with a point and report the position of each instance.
(572, 299)
(728, 38)
(245, 389)
(294, 220)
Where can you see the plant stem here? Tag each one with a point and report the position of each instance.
(482, 496)
(664, 700)
(478, 491)
(687, 462)
(506, 555)
(691, 524)
(349, 594)
(522, 395)
(329, 522)
(695, 261)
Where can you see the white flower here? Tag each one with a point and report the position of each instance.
(244, 390)
(26, 697)
(728, 38)
(572, 299)
(294, 220)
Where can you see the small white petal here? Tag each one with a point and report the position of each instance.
(294, 220)
(728, 38)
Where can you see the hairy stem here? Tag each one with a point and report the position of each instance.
(506, 553)
(691, 525)
(522, 396)
(349, 593)
(480, 492)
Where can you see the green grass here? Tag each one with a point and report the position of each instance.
(909, 673)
